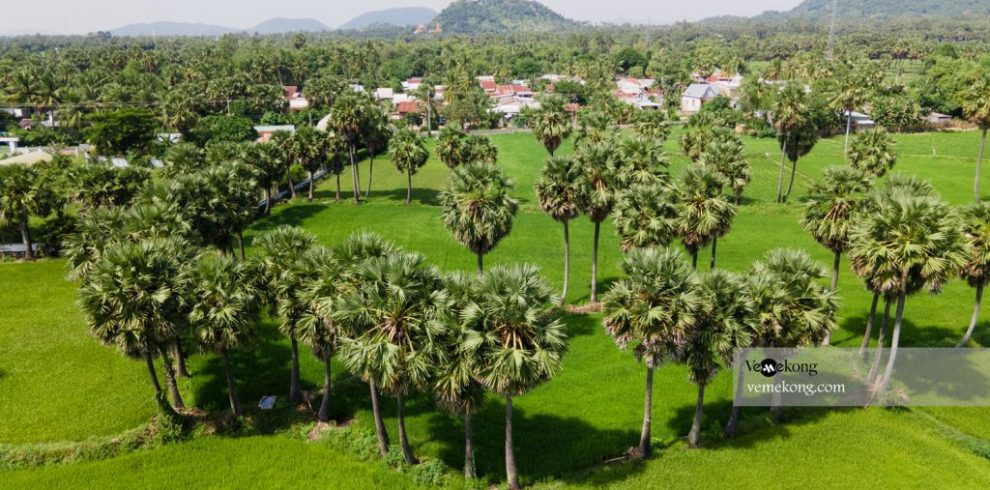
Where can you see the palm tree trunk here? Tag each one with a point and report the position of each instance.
(481, 263)
(880, 339)
(309, 196)
(324, 413)
(403, 438)
(235, 402)
(295, 388)
(979, 164)
(567, 262)
(354, 176)
(836, 262)
(790, 185)
(644, 436)
(849, 122)
(694, 258)
(733, 423)
(173, 387)
(975, 318)
(714, 251)
(151, 372)
(780, 178)
(380, 431)
(338, 187)
(511, 474)
(409, 186)
(869, 324)
(894, 341)
(292, 187)
(371, 173)
(268, 201)
(468, 448)
(240, 243)
(26, 237)
(594, 264)
(180, 359)
(694, 437)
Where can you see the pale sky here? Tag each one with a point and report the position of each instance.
(82, 16)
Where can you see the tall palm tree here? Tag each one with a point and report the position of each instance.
(831, 209)
(653, 308)
(318, 328)
(653, 124)
(450, 147)
(224, 311)
(456, 386)
(269, 162)
(350, 119)
(307, 146)
(22, 194)
(976, 271)
(551, 126)
(727, 158)
(376, 140)
(134, 297)
(976, 107)
(408, 154)
(725, 325)
(789, 116)
(280, 251)
(601, 186)
(395, 314)
(515, 339)
(95, 230)
(478, 209)
(873, 152)
(559, 191)
(427, 93)
(704, 212)
(642, 161)
(919, 243)
(646, 216)
(849, 92)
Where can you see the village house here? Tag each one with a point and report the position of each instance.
(860, 121)
(265, 132)
(696, 95)
(412, 84)
(939, 120)
(295, 97)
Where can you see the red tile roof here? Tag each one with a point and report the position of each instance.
(407, 106)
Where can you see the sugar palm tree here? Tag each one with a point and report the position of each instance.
(653, 308)
(831, 209)
(269, 162)
(559, 191)
(426, 93)
(409, 154)
(725, 325)
(224, 311)
(727, 158)
(280, 251)
(478, 209)
(22, 194)
(395, 311)
(789, 116)
(653, 125)
(873, 152)
(456, 386)
(307, 147)
(134, 297)
(515, 339)
(643, 161)
(601, 185)
(976, 271)
(646, 216)
(376, 139)
(350, 120)
(976, 107)
(920, 244)
(450, 147)
(551, 126)
(95, 230)
(849, 92)
(704, 212)
(317, 328)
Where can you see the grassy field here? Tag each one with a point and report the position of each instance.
(589, 414)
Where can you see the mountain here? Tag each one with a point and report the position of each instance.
(402, 17)
(171, 29)
(885, 9)
(279, 25)
(494, 16)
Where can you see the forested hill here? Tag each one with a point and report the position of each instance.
(493, 16)
(887, 9)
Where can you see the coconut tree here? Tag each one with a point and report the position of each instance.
(478, 209)
(653, 308)
(727, 158)
(395, 313)
(831, 208)
(790, 115)
(559, 191)
(976, 271)
(873, 152)
(22, 194)
(515, 339)
(409, 154)
(550, 123)
(134, 297)
(597, 164)
(280, 251)
(725, 324)
(646, 216)
(224, 310)
(704, 212)
(976, 107)
(427, 93)
(919, 243)
(456, 386)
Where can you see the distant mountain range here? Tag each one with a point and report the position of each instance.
(884, 9)
(493, 16)
(401, 17)
(277, 25)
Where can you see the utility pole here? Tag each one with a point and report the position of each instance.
(830, 51)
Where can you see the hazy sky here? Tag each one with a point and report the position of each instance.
(81, 16)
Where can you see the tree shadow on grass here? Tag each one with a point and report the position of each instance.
(912, 334)
(546, 447)
(580, 325)
(288, 215)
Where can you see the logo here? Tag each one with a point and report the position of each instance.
(768, 368)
